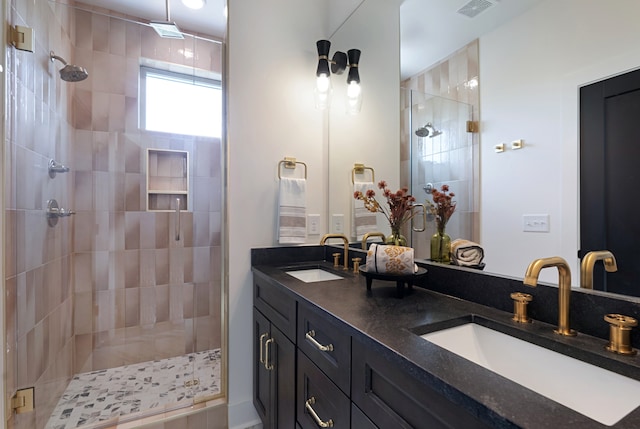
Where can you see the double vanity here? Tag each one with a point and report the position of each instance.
(329, 353)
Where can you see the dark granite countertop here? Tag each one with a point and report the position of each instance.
(393, 326)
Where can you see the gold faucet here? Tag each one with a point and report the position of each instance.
(588, 262)
(564, 288)
(371, 234)
(346, 246)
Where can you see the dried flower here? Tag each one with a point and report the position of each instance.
(442, 207)
(399, 204)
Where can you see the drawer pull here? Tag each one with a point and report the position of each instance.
(311, 334)
(268, 365)
(261, 349)
(319, 422)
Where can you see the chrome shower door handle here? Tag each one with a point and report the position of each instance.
(177, 219)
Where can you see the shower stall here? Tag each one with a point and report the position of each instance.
(114, 297)
(438, 148)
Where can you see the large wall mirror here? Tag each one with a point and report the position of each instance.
(531, 68)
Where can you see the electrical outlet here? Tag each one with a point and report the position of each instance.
(535, 223)
(313, 224)
(337, 223)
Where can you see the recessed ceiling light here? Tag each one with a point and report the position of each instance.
(193, 4)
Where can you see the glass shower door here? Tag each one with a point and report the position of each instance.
(441, 152)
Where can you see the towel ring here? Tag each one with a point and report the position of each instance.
(290, 162)
(359, 169)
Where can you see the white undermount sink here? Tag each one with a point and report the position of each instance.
(313, 275)
(590, 390)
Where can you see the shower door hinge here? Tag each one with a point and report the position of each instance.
(472, 126)
(22, 38)
(22, 401)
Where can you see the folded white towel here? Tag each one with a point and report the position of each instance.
(362, 220)
(385, 259)
(466, 253)
(292, 211)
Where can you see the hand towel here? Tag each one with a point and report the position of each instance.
(292, 211)
(385, 259)
(466, 253)
(362, 220)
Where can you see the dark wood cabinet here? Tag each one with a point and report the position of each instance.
(312, 370)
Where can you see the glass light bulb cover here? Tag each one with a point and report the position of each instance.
(323, 83)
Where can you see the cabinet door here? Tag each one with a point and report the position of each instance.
(318, 395)
(273, 375)
(261, 376)
(282, 357)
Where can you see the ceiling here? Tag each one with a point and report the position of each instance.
(430, 29)
(209, 20)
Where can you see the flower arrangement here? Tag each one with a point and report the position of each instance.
(442, 207)
(398, 209)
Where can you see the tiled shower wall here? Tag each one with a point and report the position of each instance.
(140, 294)
(454, 78)
(108, 286)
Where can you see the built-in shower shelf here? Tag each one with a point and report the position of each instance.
(167, 179)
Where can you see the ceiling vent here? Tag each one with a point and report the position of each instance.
(476, 7)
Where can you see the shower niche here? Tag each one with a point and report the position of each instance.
(167, 180)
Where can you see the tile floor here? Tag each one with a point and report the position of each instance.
(98, 396)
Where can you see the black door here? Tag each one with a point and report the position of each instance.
(610, 177)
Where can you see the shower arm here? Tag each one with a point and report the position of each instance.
(55, 57)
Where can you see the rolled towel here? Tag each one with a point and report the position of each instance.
(466, 253)
(362, 220)
(385, 259)
(292, 211)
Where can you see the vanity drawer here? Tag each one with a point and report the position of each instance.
(327, 344)
(276, 305)
(392, 398)
(317, 394)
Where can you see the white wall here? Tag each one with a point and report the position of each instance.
(530, 72)
(371, 137)
(271, 74)
(272, 60)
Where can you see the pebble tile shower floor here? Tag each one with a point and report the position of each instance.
(98, 396)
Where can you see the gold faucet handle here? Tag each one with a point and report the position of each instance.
(336, 259)
(620, 333)
(520, 301)
(356, 264)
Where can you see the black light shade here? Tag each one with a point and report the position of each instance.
(354, 59)
(323, 57)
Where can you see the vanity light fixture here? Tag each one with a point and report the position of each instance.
(339, 64)
(194, 4)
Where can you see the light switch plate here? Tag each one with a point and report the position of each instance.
(535, 223)
(313, 224)
(337, 223)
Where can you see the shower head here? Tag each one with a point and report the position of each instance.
(70, 72)
(428, 131)
(422, 131)
(167, 29)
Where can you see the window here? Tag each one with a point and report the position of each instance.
(178, 103)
